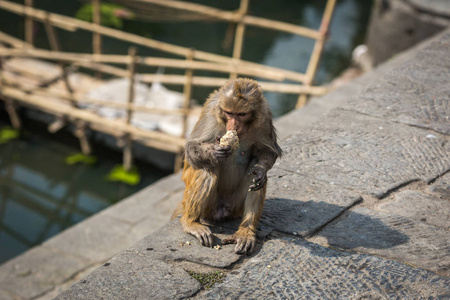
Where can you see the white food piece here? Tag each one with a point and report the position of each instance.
(230, 139)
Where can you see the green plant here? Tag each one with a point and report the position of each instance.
(110, 14)
(207, 280)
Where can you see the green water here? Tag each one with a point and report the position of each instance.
(40, 195)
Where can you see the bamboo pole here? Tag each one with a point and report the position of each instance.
(127, 151)
(239, 34)
(187, 93)
(11, 108)
(317, 51)
(29, 23)
(71, 23)
(285, 88)
(96, 18)
(51, 35)
(80, 133)
(148, 61)
(15, 42)
(131, 78)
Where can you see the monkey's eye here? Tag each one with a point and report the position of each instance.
(242, 114)
(227, 113)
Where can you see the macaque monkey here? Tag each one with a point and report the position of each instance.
(222, 182)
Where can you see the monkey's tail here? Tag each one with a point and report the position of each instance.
(177, 212)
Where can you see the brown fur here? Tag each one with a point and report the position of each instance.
(218, 188)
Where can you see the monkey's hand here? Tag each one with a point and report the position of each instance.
(260, 178)
(245, 241)
(201, 232)
(221, 152)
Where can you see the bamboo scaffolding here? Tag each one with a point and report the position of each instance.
(50, 100)
(80, 99)
(168, 142)
(235, 17)
(286, 88)
(72, 23)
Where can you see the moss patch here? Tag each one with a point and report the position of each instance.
(7, 134)
(118, 173)
(207, 280)
(80, 158)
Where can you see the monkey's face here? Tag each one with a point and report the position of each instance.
(238, 121)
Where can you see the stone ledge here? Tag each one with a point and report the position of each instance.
(323, 188)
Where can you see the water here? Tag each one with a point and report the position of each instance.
(40, 195)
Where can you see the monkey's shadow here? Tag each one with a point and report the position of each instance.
(307, 218)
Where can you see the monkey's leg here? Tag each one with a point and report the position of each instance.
(199, 193)
(245, 236)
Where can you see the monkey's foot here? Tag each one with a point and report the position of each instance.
(201, 232)
(244, 239)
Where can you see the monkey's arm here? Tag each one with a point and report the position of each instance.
(205, 155)
(262, 162)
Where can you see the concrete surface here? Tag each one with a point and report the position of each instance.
(396, 25)
(358, 208)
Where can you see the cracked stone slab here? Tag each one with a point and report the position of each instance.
(366, 154)
(416, 93)
(441, 187)
(420, 207)
(172, 244)
(300, 205)
(132, 276)
(394, 237)
(290, 268)
(38, 271)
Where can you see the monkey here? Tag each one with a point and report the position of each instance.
(222, 183)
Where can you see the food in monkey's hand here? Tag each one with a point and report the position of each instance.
(230, 139)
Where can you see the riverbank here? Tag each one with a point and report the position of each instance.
(358, 207)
